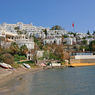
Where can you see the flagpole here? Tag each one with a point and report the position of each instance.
(74, 29)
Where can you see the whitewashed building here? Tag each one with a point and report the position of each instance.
(21, 40)
(70, 41)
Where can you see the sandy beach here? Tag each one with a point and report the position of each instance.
(9, 74)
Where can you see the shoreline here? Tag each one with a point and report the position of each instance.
(82, 64)
(11, 74)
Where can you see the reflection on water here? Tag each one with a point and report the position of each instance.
(67, 81)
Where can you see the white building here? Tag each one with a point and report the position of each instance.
(70, 41)
(23, 41)
(89, 40)
(55, 40)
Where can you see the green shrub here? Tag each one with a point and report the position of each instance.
(16, 57)
(19, 57)
(27, 62)
(15, 65)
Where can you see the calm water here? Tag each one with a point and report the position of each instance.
(67, 81)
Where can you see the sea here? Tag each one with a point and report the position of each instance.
(66, 81)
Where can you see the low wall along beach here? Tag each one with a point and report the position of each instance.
(83, 60)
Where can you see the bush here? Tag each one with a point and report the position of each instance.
(7, 58)
(27, 62)
(18, 57)
(15, 65)
(22, 58)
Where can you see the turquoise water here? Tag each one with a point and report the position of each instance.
(67, 81)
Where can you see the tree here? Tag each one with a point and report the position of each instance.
(38, 43)
(56, 27)
(92, 45)
(34, 55)
(1, 50)
(56, 51)
(88, 32)
(14, 49)
(23, 50)
(46, 54)
(84, 42)
(45, 31)
(18, 30)
(84, 48)
(65, 36)
(84, 38)
(66, 55)
(53, 56)
(89, 37)
(74, 34)
(93, 32)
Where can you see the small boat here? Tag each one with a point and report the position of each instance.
(27, 65)
(4, 65)
(43, 65)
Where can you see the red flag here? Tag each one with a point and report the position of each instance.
(73, 25)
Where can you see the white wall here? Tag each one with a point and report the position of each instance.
(56, 64)
(85, 57)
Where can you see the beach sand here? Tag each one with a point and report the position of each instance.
(8, 74)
